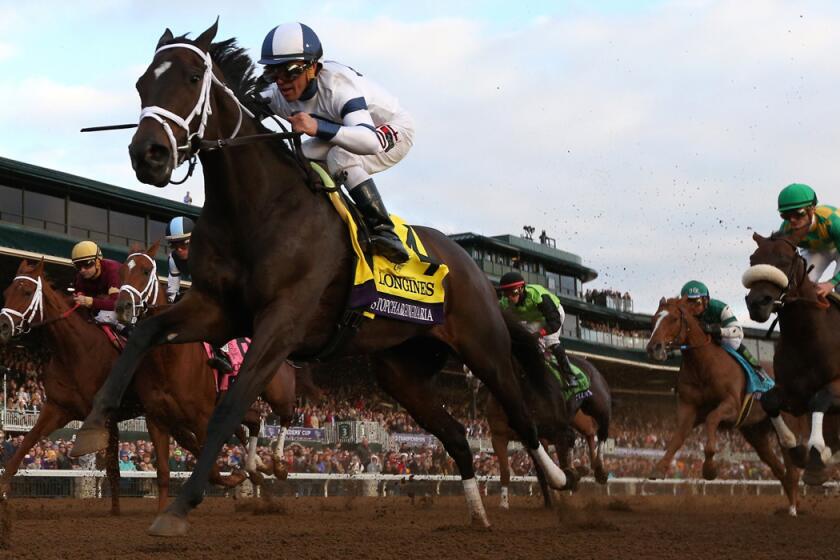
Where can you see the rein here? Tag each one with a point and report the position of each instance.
(145, 298)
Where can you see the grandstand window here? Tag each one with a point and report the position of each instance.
(570, 326)
(157, 230)
(553, 282)
(568, 285)
(11, 204)
(88, 222)
(44, 211)
(126, 229)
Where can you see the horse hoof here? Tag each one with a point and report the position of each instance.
(815, 472)
(601, 475)
(168, 525)
(582, 471)
(710, 472)
(799, 456)
(256, 477)
(281, 471)
(572, 480)
(89, 440)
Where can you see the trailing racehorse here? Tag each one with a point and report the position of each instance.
(174, 386)
(191, 388)
(807, 358)
(554, 415)
(711, 389)
(271, 259)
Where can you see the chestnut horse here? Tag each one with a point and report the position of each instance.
(272, 259)
(172, 385)
(140, 294)
(807, 358)
(711, 389)
(590, 417)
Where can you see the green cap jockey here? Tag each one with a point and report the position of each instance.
(816, 230)
(717, 319)
(796, 196)
(694, 289)
(541, 311)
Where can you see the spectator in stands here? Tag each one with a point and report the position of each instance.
(125, 463)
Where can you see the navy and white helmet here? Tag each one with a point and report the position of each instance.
(179, 228)
(291, 41)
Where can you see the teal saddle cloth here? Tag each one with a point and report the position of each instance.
(755, 383)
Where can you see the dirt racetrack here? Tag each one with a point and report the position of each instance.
(395, 528)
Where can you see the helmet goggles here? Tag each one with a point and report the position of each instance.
(288, 71)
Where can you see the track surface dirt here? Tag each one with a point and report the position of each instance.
(684, 527)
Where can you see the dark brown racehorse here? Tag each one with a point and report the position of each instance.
(271, 259)
(174, 385)
(590, 417)
(807, 358)
(140, 294)
(711, 389)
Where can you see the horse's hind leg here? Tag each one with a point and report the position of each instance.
(193, 319)
(759, 437)
(111, 467)
(406, 374)
(598, 416)
(280, 394)
(160, 439)
(494, 367)
(500, 448)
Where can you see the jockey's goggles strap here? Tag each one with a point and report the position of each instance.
(202, 109)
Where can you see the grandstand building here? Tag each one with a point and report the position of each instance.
(44, 212)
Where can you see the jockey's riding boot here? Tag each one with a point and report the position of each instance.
(756, 365)
(220, 362)
(565, 366)
(383, 237)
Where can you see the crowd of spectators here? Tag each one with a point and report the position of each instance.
(638, 424)
(611, 299)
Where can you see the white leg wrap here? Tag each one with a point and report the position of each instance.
(251, 459)
(280, 444)
(553, 474)
(504, 502)
(792, 511)
(816, 440)
(786, 437)
(474, 504)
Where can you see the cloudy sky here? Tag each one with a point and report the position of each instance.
(649, 137)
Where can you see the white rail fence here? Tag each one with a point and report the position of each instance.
(93, 483)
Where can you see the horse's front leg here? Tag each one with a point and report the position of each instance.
(264, 357)
(726, 409)
(686, 416)
(195, 318)
(819, 453)
(771, 403)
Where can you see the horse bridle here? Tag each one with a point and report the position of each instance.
(36, 307)
(189, 151)
(684, 328)
(145, 298)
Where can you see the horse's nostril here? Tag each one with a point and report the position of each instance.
(157, 154)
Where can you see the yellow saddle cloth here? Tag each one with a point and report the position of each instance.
(411, 291)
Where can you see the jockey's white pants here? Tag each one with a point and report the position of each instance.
(352, 169)
(548, 340)
(107, 317)
(821, 260)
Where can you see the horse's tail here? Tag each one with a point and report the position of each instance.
(528, 356)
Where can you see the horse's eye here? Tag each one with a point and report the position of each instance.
(145, 273)
(195, 78)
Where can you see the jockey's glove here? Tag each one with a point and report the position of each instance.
(713, 330)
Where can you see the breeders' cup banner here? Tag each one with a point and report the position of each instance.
(414, 440)
(296, 433)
